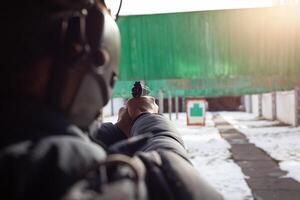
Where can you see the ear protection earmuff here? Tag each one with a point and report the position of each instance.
(74, 47)
(91, 38)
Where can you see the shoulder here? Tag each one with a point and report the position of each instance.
(49, 165)
(61, 147)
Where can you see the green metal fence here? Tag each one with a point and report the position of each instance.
(211, 87)
(212, 53)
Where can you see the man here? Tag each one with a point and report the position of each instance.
(59, 65)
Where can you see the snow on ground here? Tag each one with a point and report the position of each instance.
(211, 156)
(281, 142)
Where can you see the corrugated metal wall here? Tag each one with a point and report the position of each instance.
(212, 53)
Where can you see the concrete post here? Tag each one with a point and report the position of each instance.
(160, 102)
(176, 107)
(248, 102)
(297, 106)
(274, 117)
(112, 106)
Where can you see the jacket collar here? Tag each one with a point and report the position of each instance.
(28, 120)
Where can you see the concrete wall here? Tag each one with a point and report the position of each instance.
(285, 110)
(267, 108)
(255, 104)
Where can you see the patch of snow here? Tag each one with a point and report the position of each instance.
(211, 156)
(281, 142)
(292, 167)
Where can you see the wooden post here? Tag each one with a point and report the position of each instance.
(243, 103)
(176, 107)
(170, 105)
(183, 104)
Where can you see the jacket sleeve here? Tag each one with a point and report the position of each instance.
(107, 135)
(164, 135)
(170, 174)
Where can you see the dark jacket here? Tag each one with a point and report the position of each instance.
(169, 173)
(43, 156)
(155, 132)
(41, 153)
